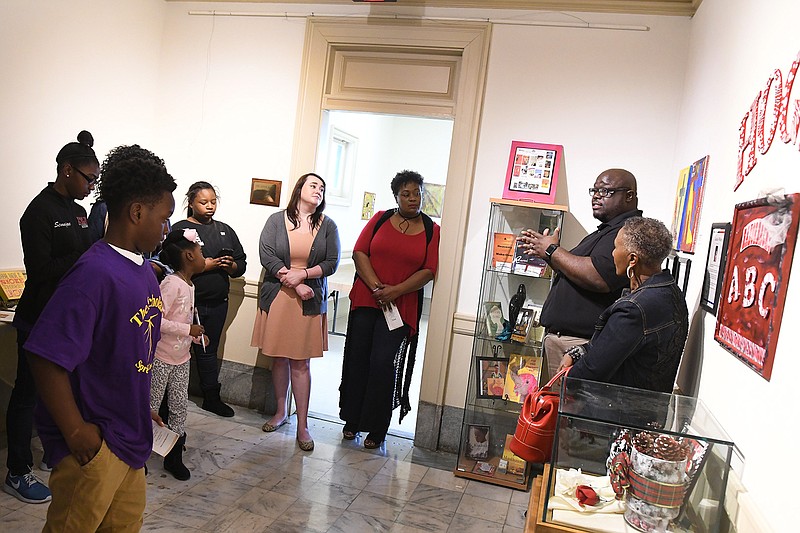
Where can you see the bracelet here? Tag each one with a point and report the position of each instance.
(306, 271)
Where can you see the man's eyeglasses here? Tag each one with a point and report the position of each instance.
(605, 192)
(91, 180)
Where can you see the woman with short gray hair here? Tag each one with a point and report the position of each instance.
(638, 341)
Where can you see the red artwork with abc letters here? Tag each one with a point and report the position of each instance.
(756, 278)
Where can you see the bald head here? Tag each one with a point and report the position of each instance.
(620, 177)
(622, 200)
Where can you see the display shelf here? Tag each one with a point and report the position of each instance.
(503, 371)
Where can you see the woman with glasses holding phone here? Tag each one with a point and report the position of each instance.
(224, 259)
(54, 234)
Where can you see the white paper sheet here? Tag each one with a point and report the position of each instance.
(163, 439)
(392, 314)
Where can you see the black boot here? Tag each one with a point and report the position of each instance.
(212, 402)
(173, 462)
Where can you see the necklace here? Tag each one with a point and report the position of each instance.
(406, 220)
(178, 272)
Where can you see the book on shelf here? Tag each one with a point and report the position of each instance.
(529, 265)
(484, 468)
(478, 442)
(12, 283)
(513, 463)
(522, 376)
(527, 319)
(503, 251)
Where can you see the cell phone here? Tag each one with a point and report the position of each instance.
(224, 252)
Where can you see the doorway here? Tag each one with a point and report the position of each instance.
(359, 153)
(412, 68)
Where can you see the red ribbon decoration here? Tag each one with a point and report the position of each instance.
(622, 477)
(619, 474)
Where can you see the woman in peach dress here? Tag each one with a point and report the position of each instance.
(299, 249)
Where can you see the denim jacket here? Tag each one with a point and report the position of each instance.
(638, 340)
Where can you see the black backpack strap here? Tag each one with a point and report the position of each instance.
(384, 217)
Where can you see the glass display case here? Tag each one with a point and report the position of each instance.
(627, 459)
(506, 359)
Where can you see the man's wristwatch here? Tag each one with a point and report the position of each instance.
(548, 254)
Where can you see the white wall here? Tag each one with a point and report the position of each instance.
(68, 66)
(734, 46)
(226, 110)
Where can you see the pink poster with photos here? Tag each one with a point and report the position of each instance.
(532, 172)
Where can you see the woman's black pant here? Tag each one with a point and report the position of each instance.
(212, 317)
(368, 372)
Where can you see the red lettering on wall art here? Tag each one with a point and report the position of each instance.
(785, 121)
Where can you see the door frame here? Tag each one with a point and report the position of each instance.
(468, 42)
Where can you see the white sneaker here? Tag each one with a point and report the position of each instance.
(44, 468)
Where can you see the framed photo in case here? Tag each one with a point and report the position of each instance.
(478, 442)
(491, 378)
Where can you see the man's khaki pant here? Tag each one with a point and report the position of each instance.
(554, 347)
(103, 495)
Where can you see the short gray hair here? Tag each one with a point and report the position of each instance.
(648, 238)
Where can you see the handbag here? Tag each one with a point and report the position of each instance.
(536, 426)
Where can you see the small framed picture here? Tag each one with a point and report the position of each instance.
(495, 321)
(715, 265)
(265, 192)
(478, 442)
(491, 378)
(532, 172)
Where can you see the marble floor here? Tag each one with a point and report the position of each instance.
(245, 480)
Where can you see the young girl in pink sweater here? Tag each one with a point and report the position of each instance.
(170, 373)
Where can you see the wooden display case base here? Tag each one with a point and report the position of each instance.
(466, 467)
(533, 522)
(536, 508)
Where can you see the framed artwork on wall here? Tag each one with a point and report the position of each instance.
(761, 249)
(679, 267)
(532, 173)
(715, 264)
(433, 200)
(688, 204)
(265, 192)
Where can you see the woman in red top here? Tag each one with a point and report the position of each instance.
(396, 254)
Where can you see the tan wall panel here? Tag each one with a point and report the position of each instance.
(419, 78)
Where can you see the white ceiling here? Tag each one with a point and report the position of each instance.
(653, 7)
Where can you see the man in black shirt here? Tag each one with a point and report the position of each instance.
(585, 278)
(55, 232)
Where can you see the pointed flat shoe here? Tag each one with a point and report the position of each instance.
(306, 445)
(269, 428)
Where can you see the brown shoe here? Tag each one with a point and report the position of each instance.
(306, 445)
(269, 428)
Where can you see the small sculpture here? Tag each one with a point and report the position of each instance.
(515, 304)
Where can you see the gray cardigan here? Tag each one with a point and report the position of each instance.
(273, 248)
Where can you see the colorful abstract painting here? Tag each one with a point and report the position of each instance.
(685, 232)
